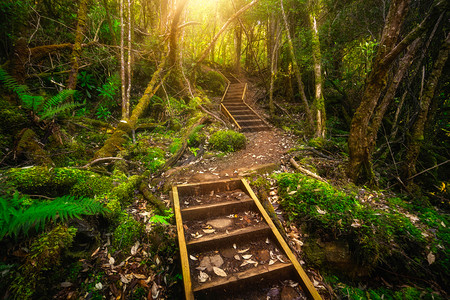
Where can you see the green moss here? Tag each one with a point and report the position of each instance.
(227, 141)
(126, 233)
(332, 213)
(45, 255)
(58, 181)
(125, 191)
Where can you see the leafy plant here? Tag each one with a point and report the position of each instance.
(42, 107)
(227, 141)
(102, 112)
(162, 219)
(17, 218)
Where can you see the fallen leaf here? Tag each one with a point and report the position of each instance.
(202, 277)
(124, 279)
(234, 246)
(193, 257)
(243, 251)
(155, 290)
(271, 262)
(201, 268)
(95, 252)
(356, 223)
(209, 230)
(135, 248)
(66, 284)
(236, 257)
(244, 264)
(322, 212)
(139, 276)
(219, 272)
(111, 260)
(280, 258)
(247, 256)
(431, 258)
(98, 286)
(267, 241)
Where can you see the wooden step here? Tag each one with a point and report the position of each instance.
(215, 210)
(245, 117)
(240, 280)
(241, 235)
(255, 128)
(254, 122)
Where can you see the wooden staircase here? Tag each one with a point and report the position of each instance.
(242, 115)
(222, 224)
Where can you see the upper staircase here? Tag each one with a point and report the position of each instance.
(242, 115)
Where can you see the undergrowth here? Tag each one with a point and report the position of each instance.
(227, 141)
(379, 232)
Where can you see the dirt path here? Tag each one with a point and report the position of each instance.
(262, 148)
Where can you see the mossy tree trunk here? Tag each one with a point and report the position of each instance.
(360, 163)
(319, 102)
(416, 138)
(297, 71)
(77, 49)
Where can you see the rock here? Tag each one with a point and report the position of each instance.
(220, 223)
(273, 294)
(228, 252)
(209, 262)
(264, 255)
(289, 293)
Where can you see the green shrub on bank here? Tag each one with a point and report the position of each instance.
(126, 233)
(227, 141)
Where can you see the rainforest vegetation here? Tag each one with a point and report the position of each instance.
(103, 104)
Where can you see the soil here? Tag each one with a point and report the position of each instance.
(213, 198)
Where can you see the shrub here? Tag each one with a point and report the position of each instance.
(227, 141)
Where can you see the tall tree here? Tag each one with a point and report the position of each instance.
(360, 164)
(417, 132)
(319, 103)
(77, 49)
(297, 71)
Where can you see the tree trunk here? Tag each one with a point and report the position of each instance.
(360, 164)
(417, 132)
(123, 67)
(108, 19)
(275, 42)
(76, 52)
(319, 103)
(297, 70)
(173, 33)
(130, 28)
(238, 48)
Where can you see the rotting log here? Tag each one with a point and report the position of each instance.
(145, 190)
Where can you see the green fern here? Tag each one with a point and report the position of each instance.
(16, 218)
(44, 108)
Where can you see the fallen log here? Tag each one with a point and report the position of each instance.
(305, 171)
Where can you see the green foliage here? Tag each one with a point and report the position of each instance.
(331, 212)
(91, 186)
(195, 138)
(44, 108)
(153, 159)
(45, 254)
(348, 291)
(103, 113)
(127, 233)
(212, 81)
(162, 219)
(17, 217)
(227, 141)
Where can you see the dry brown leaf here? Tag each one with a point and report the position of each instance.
(219, 272)
(202, 277)
(193, 257)
(209, 230)
(243, 251)
(247, 256)
(236, 257)
(431, 258)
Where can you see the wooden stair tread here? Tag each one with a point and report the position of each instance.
(259, 271)
(245, 233)
(216, 209)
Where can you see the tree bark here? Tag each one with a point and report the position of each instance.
(417, 132)
(76, 52)
(319, 102)
(173, 33)
(360, 164)
(297, 71)
(274, 52)
(122, 63)
(108, 20)
(130, 29)
(359, 143)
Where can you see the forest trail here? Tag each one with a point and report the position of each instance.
(264, 149)
(229, 246)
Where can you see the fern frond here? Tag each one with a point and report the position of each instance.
(57, 99)
(17, 220)
(53, 111)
